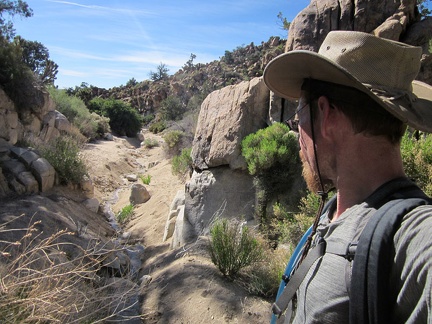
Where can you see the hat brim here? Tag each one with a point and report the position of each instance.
(285, 75)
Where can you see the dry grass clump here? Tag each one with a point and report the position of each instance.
(263, 278)
(41, 283)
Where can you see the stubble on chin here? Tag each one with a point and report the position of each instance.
(309, 175)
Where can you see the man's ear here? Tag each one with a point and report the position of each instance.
(327, 116)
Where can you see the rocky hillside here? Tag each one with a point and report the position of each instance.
(193, 82)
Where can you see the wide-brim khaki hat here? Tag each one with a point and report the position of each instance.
(385, 70)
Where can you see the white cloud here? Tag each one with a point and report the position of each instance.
(70, 53)
(73, 73)
(106, 9)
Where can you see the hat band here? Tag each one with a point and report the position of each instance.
(389, 93)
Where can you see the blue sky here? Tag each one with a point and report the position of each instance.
(106, 43)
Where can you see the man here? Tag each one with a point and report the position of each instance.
(356, 96)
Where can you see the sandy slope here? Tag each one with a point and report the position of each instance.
(185, 286)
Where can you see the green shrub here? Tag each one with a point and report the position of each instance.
(123, 119)
(70, 106)
(91, 125)
(63, 154)
(125, 213)
(417, 158)
(173, 138)
(145, 178)
(263, 278)
(272, 157)
(171, 108)
(289, 227)
(102, 124)
(150, 143)
(181, 164)
(270, 148)
(147, 119)
(157, 127)
(76, 135)
(17, 79)
(233, 247)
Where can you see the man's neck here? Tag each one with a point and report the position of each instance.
(363, 169)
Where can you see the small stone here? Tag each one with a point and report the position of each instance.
(146, 279)
(132, 177)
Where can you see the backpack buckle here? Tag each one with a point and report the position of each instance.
(351, 250)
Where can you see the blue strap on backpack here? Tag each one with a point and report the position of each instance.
(295, 259)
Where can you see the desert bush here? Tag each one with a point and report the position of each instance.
(173, 140)
(171, 108)
(70, 106)
(91, 125)
(270, 148)
(63, 153)
(181, 165)
(272, 158)
(157, 127)
(264, 277)
(145, 178)
(150, 142)
(41, 283)
(233, 246)
(123, 119)
(147, 119)
(417, 158)
(76, 135)
(17, 79)
(101, 122)
(289, 227)
(125, 213)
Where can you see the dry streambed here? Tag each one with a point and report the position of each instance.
(177, 286)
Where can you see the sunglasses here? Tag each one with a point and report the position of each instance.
(292, 122)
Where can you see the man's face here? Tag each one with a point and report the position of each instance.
(307, 154)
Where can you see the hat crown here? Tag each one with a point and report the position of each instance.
(384, 70)
(372, 60)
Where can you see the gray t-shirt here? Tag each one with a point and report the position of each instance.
(323, 296)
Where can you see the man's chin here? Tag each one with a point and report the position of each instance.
(310, 177)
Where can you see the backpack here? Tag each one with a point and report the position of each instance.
(372, 255)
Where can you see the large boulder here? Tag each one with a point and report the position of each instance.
(26, 171)
(184, 230)
(312, 24)
(139, 194)
(9, 122)
(177, 206)
(61, 122)
(396, 20)
(226, 117)
(218, 192)
(44, 173)
(220, 185)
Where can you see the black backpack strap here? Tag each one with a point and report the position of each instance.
(399, 188)
(297, 278)
(369, 301)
